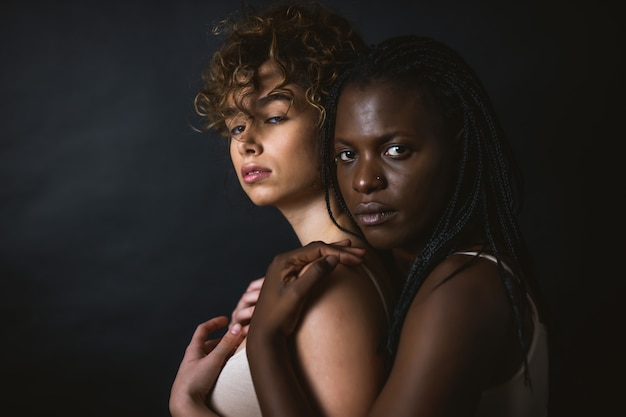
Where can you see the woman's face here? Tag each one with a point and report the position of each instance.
(395, 165)
(275, 147)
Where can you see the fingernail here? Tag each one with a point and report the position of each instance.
(236, 328)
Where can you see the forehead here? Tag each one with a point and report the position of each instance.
(381, 109)
(269, 77)
(376, 103)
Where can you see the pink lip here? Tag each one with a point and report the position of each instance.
(252, 173)
(372, 214)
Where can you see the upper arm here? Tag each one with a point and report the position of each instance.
(338, 344)
(451, 340)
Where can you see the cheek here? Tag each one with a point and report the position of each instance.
(344, 180)
(429, 195)
(232, 150)
(235, 160)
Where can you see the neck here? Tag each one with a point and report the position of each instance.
(404, 259)
(311, 222)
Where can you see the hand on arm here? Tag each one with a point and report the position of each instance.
(289, 281)
(200, 367)
(329, 364)
(450, 344)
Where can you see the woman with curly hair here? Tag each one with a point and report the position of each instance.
(265, 90)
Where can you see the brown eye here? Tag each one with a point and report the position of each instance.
(237, 130)
(396, 150)
(345, 156)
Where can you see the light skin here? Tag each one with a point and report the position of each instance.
(245, 306)
(275, 153)
(396, 167)
(271, 146)
(201, 366)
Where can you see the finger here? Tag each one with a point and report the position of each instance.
(209, 345)
(250, 297)
(197, 346)
(314, 273)
(294, 260)
(345, 242)
(246, 301)
(228, 343)
(345, 255)
(203, 330)
(243, 315)
(256, 284)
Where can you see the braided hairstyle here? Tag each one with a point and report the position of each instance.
(488, 190)
(308, 43)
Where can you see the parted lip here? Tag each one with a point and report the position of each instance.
(371, 207)
(250, 168)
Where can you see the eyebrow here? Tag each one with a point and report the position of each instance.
(231, 112)
(264, 101)
(378, 140)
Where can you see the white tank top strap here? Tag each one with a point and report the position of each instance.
(514, 398)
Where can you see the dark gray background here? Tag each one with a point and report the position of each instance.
(121, 228)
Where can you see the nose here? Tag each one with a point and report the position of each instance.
(248, 142)
(368, 177)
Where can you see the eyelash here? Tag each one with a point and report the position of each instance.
(278, 119)
(339, 157)
(234, 132)
(239, 129)
(402, 150)
(399, 152)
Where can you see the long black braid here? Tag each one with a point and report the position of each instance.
(488, 192)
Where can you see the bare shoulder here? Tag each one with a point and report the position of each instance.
(347, 296)
(466, 280)
(467, 297)
(338, 343)
(453, 338)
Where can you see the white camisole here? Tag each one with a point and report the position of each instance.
(234, 395)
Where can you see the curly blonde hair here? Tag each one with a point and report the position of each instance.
(308, 43)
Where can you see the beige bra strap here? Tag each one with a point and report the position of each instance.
(380, 291)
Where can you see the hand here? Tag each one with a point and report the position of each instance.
(288, 282)
(245, 307)
(202, 363)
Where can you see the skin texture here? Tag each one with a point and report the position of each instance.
(274, 148)
(458, 337)
(200, 366)
(276, 140)
(393, 160)
(245, 306)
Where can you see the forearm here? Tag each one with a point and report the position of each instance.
(278, 388)
(190, 408)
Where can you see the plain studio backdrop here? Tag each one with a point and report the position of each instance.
(121, 228)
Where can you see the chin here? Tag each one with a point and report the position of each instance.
(380, 242)
(261, 201)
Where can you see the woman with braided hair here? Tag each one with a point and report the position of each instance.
(415, 155)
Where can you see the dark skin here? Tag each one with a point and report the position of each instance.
(397, 163)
